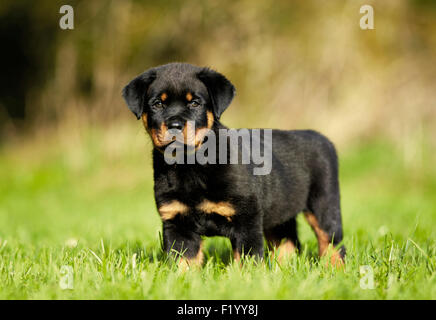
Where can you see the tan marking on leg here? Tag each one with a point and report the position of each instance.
(236, 255)
(336, 259)
(163, 96)
(237, 258)
(197, 261)
(324, 245)
(189, 96)
(283, 248)
(169, 210)
(222, 208)
(323, 239)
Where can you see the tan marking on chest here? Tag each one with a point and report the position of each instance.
(169, 210)
(222, 208)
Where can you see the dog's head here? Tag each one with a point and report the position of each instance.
(178, 98)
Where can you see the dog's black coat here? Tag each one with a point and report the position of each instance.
(304, 176)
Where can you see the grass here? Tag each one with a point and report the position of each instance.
(87, 202)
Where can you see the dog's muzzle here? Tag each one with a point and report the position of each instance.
(175, 126)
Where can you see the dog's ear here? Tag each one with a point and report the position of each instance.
(136, 91)
(221, 91)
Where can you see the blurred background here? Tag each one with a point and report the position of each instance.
(73, 155)
(295, 64)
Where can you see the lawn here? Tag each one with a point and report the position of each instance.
(78, 221)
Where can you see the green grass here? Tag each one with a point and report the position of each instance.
(88, 204)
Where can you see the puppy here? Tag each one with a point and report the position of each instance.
(223, 199)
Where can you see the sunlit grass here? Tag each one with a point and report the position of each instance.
(90, 206)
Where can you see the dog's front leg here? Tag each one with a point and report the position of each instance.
(182, 245)
(247, 242)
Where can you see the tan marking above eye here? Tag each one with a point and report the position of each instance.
(170, 209)
(163, 96)
(189, 96)
(222, 208)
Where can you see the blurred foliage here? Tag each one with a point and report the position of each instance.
(296, 64)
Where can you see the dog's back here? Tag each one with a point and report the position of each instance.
(304, 168)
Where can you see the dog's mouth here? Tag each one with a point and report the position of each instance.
(190, 136)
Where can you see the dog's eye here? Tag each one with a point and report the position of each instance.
(194, 104)
(158, 104)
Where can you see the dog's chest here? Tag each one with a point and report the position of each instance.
(193, 193)
(206, 217)
(192, 182)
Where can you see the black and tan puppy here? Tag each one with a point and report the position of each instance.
(196, 200)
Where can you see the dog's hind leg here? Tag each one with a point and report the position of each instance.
(324, 216)
(323, 204)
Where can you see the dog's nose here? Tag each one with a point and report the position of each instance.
(175, 125)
